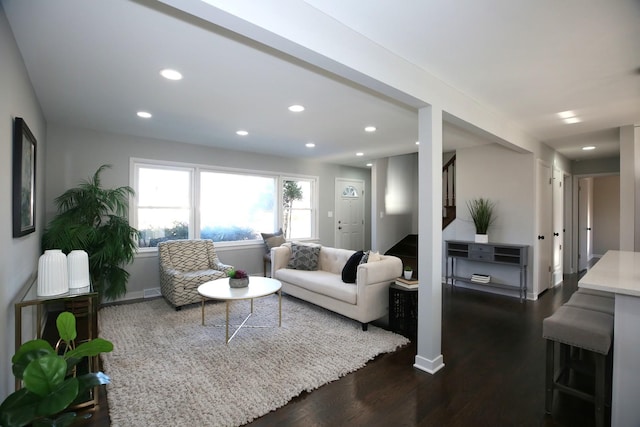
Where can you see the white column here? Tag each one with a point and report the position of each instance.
(629, 187)
(429, 357)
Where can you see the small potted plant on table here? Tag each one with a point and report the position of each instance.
(481, 211)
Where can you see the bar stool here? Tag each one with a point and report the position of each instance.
(588, 330)
(592, 302)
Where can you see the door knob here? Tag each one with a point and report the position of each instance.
(556, 234)
(339, 228)
(540, 237)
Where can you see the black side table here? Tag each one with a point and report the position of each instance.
(403, 311)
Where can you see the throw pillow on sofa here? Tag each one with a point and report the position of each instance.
(304, 256)
(350, 270)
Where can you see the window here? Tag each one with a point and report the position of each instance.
(179, 201)
(164, 204)
(236, 206)
(297, 208)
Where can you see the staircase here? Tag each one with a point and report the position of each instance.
(448, 192)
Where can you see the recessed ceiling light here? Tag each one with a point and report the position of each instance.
(566, 114)
(309, 145)
(572, 120)
(417, 142)
(370, 129)
(296, 108)
(359, 154)
(170, 74)
(369, 164)
(588, 148)
(242, 133)
(144, 114)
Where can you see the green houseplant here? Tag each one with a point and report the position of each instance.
(51, 385)
(94, 219)
(481, 211)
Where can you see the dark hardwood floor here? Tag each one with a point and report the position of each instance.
(494, 358)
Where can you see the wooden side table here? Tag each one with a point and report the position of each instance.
(403, 311)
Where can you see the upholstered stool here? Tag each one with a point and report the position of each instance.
(595, 292)
(592, 302)
(584, 329)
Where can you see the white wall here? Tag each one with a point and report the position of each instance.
(394, 204)
(606, 214)
(75, 154)
(20, 255)
(505, 177)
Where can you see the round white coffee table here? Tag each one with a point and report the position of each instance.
(258, 287)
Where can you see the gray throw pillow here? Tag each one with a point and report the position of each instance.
(272, 243)
(304, 256)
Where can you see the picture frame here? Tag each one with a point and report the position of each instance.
(24, 179)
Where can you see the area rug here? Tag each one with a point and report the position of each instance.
(168, 369)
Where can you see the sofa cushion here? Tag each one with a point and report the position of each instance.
(304, 256)
(321, 282)
(350, 270)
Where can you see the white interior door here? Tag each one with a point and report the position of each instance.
(349, 218)
(585, 187)
(558, 225)
(544, 241)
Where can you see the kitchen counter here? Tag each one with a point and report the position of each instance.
(618, 272)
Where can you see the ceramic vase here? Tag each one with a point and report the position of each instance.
(78, 268)
(239, 283)
(52, 273)
(482, 238)
(408, 274)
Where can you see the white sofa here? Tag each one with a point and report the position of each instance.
(364, 301)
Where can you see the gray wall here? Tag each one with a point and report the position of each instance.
(19, 256)
(505, 177)
(606, 214)
(597, 166)
(75, 154)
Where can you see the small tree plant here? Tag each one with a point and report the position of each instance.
(291, 192)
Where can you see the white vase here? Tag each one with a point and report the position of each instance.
(52, 273)
(408, 274)
(482, 238)
(78, 268)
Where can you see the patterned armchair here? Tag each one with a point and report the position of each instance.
(185, 265)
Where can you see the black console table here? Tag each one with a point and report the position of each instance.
(496, 253)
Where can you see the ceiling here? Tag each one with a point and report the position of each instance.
(95, 64)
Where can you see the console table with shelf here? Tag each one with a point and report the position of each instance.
(83, 303)
(493, 253)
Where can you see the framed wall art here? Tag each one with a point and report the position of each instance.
(24, 179)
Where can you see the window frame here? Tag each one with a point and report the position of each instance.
(195, 196)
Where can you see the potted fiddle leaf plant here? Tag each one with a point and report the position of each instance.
(51, 382)
(482, 214)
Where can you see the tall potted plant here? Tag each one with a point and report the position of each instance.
(481, 211)
(94, 219)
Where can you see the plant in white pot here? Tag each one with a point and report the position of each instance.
(481, 211)
(408, 272)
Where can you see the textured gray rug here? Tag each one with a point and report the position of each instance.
(168, 369)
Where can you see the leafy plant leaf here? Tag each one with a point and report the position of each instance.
(29, 351)
(44, 374)
(19, 408)
(66, 323)
(91, 348)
